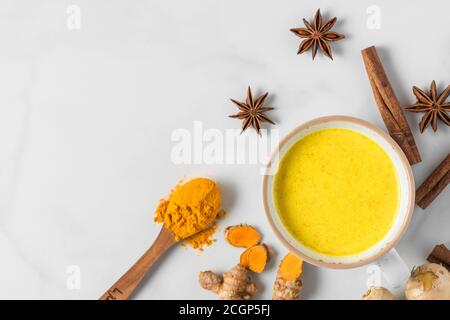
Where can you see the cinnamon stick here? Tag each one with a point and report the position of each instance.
(440, 255)
(389, 106)
(434, 184)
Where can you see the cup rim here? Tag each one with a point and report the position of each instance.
(410, 182)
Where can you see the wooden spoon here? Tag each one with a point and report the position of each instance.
(125, 286)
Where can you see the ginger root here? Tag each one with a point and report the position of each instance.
(233, 285)
(378, 293)
(255, 258)
(242, 236)
(288, 284)
(430, 281)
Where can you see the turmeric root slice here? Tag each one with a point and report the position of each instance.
(243, 260)
(288, 285)
(255, 258)
(291, 267)
(242, 236)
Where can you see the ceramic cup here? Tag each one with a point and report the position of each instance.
(406, 193)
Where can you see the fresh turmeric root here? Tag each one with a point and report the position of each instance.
(288, 284)
(255, 258)
(242, 236)
(233, 285)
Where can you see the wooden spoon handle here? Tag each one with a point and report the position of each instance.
(125, 286)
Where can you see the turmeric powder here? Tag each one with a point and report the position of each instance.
(205, 237)
(288, 284)
(191, 208)
(202, 238)
(242, 236)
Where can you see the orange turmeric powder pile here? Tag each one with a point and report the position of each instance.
(206, 237)
(203, 238)
(190, 211)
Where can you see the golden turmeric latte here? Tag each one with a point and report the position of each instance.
(190, 209)
(336, 191)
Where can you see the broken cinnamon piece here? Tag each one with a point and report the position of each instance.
(440, 255)
(434, 184)
(389, 106)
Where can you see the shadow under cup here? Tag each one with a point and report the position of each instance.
(406, 193)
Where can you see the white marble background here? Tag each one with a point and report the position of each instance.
(86, 117)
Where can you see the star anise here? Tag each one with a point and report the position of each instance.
(317, 35)
(433, 105)
(252, 111)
